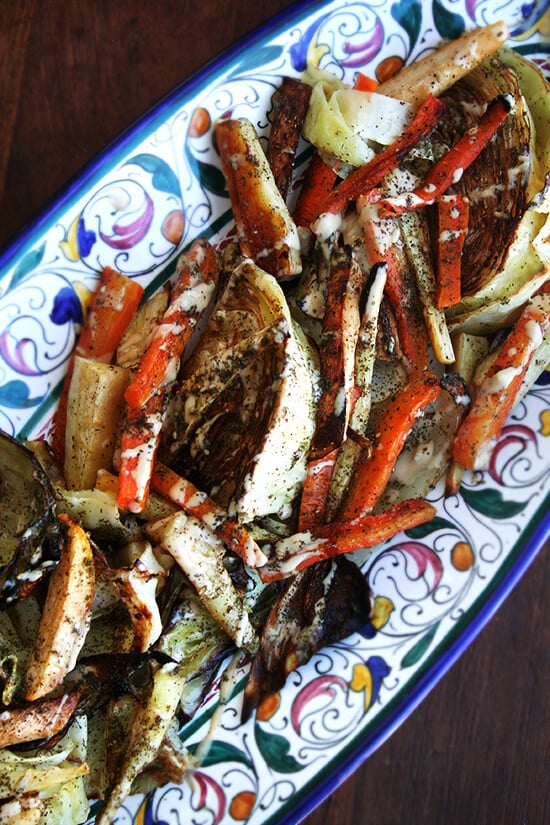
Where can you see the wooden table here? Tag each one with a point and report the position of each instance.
(73, 74)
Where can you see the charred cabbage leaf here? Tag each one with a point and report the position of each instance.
(31, 536)
(319, 606)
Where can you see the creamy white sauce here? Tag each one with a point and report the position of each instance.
(326, 225)
(500, 380)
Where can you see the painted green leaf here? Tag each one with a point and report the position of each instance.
(163, 177)
(423, 530)
(224, 752)
(275, 751)
(408, 13)
(491, 503)
(31, 260)
(419, 649)
(257, 58)
(210, 176)
(449, 25)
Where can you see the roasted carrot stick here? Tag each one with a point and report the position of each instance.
(403, 296)
(139, 444)
(480, 429)
(373, 471)
(115, 301)
(318, 183)
(182, 492)
(400, 287)
(364, 83)
(453, 212)
(315, 490)
(310, 546)
(191, 296)
(337, 353)
(366, 177)
(448, 170)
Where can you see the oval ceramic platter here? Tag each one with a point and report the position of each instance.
(135, 208)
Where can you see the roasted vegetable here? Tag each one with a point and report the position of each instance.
(317, 607)
(234, 426)
(32, 538)
(66, 616)
(265, 229)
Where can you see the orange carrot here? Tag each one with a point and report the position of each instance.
(453, 212)
(139, 444)
(366, 177)
(315, 490)
(403, 297)
(449, 168)
(337, 353)
(303, 549)
(115, 301)
(400, 290)
(317, 185)
(183, 493)
(364, 83)
(192, 293)
(480, 429)
(373, 471)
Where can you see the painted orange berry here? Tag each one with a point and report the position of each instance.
(462, 555)
(388, 67)
(200, 123)
(172, 227)
(241, 805)
(268, 707)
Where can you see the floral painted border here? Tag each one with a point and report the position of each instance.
(146, 202)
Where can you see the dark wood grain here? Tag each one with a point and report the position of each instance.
(72, 76)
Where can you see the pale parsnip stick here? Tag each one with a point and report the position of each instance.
(434, 73)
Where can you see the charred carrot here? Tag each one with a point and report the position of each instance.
(191, 296)
(139, 444)
(337, 353)
(403, 297)
(115, 301)
(318, 183)
(480, 429)
(449, 169)
(183, 493)
(400, 288)
(303, 549)
(315, 490)
(453, 212)
(289, 113)
(366, 177)
(373, 471)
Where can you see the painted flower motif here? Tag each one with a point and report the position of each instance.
(513, 441)
(208, 794)
(78, 240)
(307, 50)
(362, 53)
(367, 677)
(324, 688)
(66, 307)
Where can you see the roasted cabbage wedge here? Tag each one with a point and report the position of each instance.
(243, 416)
